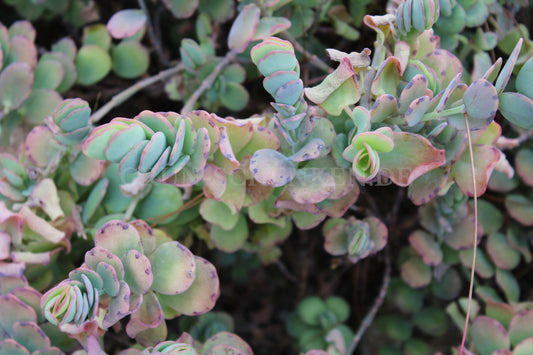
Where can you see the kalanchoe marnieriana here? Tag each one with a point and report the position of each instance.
(318, 324)
(132, 273)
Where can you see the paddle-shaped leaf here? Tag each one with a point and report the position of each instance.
(126, 23)
(270, 167)
(243, 29)
(16, 81)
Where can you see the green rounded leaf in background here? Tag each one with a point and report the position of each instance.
(488, 335)
(524, 348)
(129, 59)
(415, 273)
(181, 8)
(501, 253)
(524, 164)
(97, 34)
(517, 108)
(508, 284)
(40, 104)
(520, 208)
(432, 321)
(48, 74)
(231, 240)
(396, 327)
(220, 10)
(339, 307)
(310, 309)
(16, 81)
(521, 327)
(525, 78)
(218, 213)
(92, 64)
(69, 69)
(481, 103)
(235, 96)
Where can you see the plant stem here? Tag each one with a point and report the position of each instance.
(312, 58)
(153, 38)
(369, 318)
(131, 207)
(132, 90)
(207, 82)
(472, 273)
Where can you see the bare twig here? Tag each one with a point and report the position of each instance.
(312, 58)
(369, 318)
(132, 90)
(206, 84)
(153, 37)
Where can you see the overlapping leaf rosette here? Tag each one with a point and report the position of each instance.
(314, 186)
(132, 270)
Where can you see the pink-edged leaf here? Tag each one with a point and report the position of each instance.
(270, 167)
(85, 170)
(488, 335)
(412, 156)
(119, 306)
(462, 235)
(426, 187)
(14, 310)
(524, 165)
(118, 237)
(214, 181)
(137, 271)
(387, 78)
(40, 226)
(98, 254)
(485, 158)
(40, 147)
(380, 140)
(269, 26)
(481, 103)
(228, 339)
(385, 106)
(173, 267)
(521, 327)
(311, 185)
(148, 315)
(243, 29)
(22, 50)
(426, 246)
(199, 119)
(520, 208)
(416, 273)
(201, 295)
(16, 81)
(507, 69)
(44, 193)
(126, 23)
(337, 91)
(416, 110)
(414, 89)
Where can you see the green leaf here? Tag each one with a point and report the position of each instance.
(92, 64)
(488, 335)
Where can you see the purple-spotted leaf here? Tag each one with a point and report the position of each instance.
(137, 271)
(416, 110)
(415, 272)
(488, 335)
(485, 158)
(31, 335)
(521, 327)
(173, 267)
(270, 167)
(311, 185)
(98, 254)
(85, 170)
(119, 306)
(16, 81)
(412, 156)
(201, 296)
(243, 29)
(414, 89)
(111, 282)
(310, 151)
(384, 107)
(426, 246)
(118, 237)
(337, 91)
(126, 23)
(481, 103)
(149, 315)
(517, 108)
